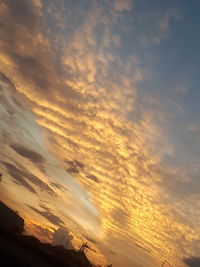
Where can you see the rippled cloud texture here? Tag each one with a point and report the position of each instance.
(99, 125)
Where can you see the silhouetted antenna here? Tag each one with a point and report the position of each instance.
(166, 262)
(85, 245)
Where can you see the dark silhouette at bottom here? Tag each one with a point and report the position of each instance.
(21, 250)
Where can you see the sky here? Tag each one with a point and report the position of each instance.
(100, 125)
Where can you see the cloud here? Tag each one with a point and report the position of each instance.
(7, 81)
(74, 163)
(42, 232)
(157, 25)
(17, 175)
(122, 5)
(72, 170)
(59, 186)
(23, 44)
(27, 153)
(22, 12)
(93, 127)
(33, 156)
(165, 20)
(62, 237)
(112, 252)
(93, 178)
(120, 216)
(79, 164)
(25, 178)
(8, 98)
(48, 215)
(83, 97)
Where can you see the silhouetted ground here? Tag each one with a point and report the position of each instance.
(21, 250)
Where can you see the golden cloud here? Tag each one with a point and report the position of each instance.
(84, 107)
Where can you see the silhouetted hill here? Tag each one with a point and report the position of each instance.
(10, 220)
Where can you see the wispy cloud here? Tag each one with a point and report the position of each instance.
(157, 25)
(120, 5)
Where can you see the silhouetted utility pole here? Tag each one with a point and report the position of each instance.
(85, 245)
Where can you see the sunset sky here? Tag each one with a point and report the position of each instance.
(100, 124)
